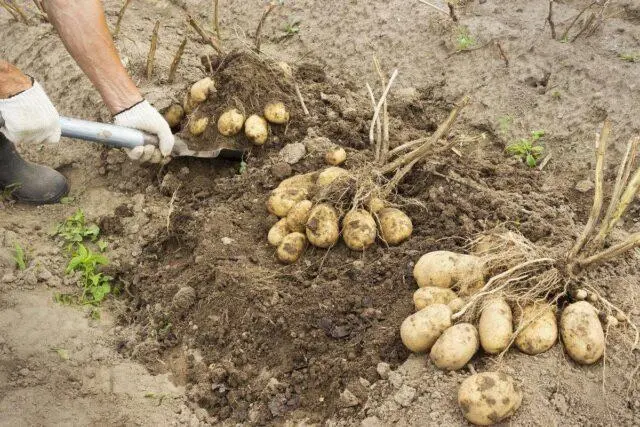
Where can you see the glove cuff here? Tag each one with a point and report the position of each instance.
(34, 100)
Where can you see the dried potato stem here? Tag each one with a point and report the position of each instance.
(374, 141)
(9, 9)
(216, 19)
(596, 209)
(566, 32)
(207, 39)
(407, 146)
(176, 60)
(433, 6)
(301, 99)
(151, 57)
(376, 114)
(16, 11)
(263, 18)
(384, 144)
(116, 31)
(610, 253)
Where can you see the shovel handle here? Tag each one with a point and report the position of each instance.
(103, 133)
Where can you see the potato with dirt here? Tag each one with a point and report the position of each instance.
(335, 156)
(455, 347)
(283, 199)
(489, 398)
(201, 89)
(495, 326)
(278, 232)
(276, 112)
(421, 330)
(582, 333)
(540, 328)
(395, 226)
(322, 226)
(291, 248)
(173, 115)
(359, 230)
(430, 295)
(446, 269)
(299, 215)
(230, 122)
(198, 126)
(332, 174)
(305, 181)
(256, 129)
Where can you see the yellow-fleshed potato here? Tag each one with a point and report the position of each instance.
(291, 248)
(542, 330)
(322, 226)
(359, 230)
(173, 115)
(455, 347)
(495, 326)
(395, 226)
(201, 89)
(421, 330)
(336, 156)
(278, 232)
(198, 126)
(489, 397)
(256, 129)
(283, 199)
(276, 112)
(329, 175)
(375, 205)
(582, 332)
(230, 122)
(430, 295)
(445, 269)
(298, 216)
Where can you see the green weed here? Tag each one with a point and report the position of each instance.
(464, 40)
(95, 285)
(528, 150)
(630, 56)
(74, 229)
(291, 28)
(19, 257)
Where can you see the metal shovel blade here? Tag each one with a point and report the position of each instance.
(180, 149)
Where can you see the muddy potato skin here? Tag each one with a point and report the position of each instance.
(456, 304)
(299, 215)
(174, 115)
(322, 226)
(421, 330)
(329, 175)
(276, 112)
(495, 326)
(541, 334)
(278, 232)
(335, 156)
(291, 248)
(305, 181)
(256, 129)
(582, 333)
(230, 122)
(375, 205)
(395, 226)
(455, 347)
(445, 269)
(283, 199)
(489, 397)
(200, 90)
(430, 295)
(198, 126)
(359, 230)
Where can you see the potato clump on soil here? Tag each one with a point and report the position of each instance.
(276, 112)
(359, 230)
(582, 333)
(430, 295)
(322, 226)
(291, 248)
(541, 330)
(455, 347)
(230, 122)
(421, 330)
(446, 269)
(256, 129)
(395, 226)
(336, 156)
(489, 397)
(495, 326)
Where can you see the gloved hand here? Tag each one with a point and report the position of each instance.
(144, 117)
(30, 117)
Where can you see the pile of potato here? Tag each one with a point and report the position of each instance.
(452, 346)
(321, 224)
(231, 122)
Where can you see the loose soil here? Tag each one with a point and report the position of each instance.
(259, 343)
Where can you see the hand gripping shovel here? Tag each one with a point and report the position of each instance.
(122, 137)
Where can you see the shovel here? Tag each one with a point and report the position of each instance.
(122, 137)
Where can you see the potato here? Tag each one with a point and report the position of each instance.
(582, 332)
(201, 89)
(283, 199)
(395, 226)
(489, 397)
(455, 347)
(291, 248)
(421, 330)
(540, 334)
(230, 122)
(329, 175)
(305, 181)
(276, 112)
(336, 156)
(430, 295)
(198, 126)
(359, 230)
(456, 304)
(278, 232)
(286, 69)
(189, 104)
(173, 115)
(322, 226)
(256, 129)
(445, 269)
(375, 205)
(495, 326)
(298, 216)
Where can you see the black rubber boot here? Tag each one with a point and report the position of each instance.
(29, 182)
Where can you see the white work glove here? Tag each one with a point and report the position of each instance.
(30, 117)
(144, 117)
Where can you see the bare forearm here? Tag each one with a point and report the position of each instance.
(83, 29)
(12, 80)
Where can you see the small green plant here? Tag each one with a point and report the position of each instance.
(291, 28)
(528, 150)
(556, 95)
(19, 256)
(95, 285)
(504, 124)
(630, 56)
(74, 229)
(464, 40)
